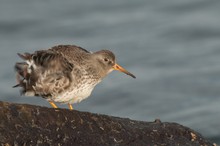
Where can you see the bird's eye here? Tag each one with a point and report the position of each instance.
(105, 59)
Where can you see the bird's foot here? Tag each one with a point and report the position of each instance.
(53, 104)
(70, 106)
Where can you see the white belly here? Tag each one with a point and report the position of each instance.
(75, 96)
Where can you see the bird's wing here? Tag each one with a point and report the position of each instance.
(50, 60)
(45, 72)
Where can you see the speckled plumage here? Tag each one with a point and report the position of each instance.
(64, 73)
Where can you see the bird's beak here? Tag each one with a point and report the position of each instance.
(119, 68)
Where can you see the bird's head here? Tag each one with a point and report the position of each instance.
(108, 63)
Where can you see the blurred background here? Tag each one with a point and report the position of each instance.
(172, 46)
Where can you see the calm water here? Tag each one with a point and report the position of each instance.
(173, 47)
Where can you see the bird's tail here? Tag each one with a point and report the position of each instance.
(23, 75)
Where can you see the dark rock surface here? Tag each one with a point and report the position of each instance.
(22, 124)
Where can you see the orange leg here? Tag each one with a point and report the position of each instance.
(53, 104)
(70, 106)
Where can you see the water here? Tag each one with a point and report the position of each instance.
(171, 46)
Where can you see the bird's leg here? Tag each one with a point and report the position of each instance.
(70, 106)
(53, 104)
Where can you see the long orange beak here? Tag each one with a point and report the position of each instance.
(119, 68)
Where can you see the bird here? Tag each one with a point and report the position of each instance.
(65, 74)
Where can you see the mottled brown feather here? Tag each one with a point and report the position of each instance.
(64, 73)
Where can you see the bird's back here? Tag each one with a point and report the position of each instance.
(72, 53)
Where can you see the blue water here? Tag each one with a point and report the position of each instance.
(173, 47)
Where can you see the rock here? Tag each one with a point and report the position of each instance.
(22, 124)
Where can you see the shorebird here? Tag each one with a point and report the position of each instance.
(65, 73)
